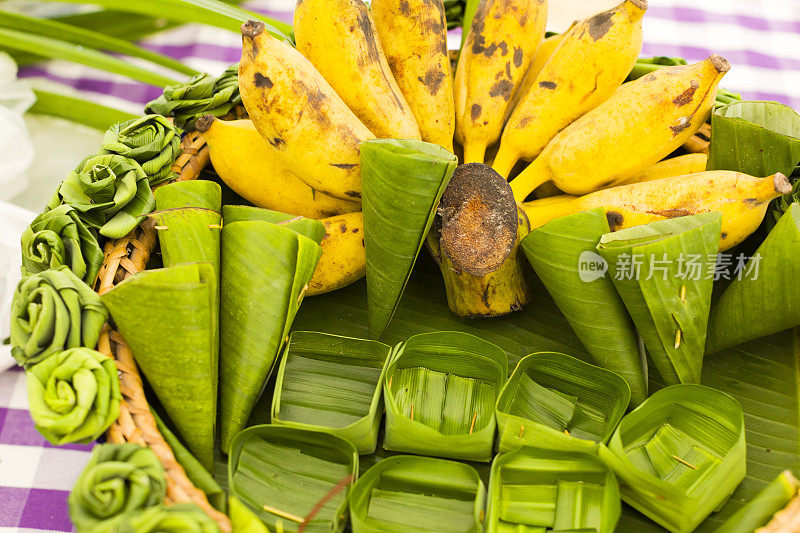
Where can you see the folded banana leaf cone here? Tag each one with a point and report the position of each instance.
(333, 384)
(118, 479)
(533, 489)
(313, 229)
(440, 391)
(293, 478)
(402, 182)
(52, 311)
(168, 317)
(558, 402)
(563, 254)
(73, 395)
(59, 237)
(410, 493)
(664, 272)
(180, 518)
(679, 455)
(763, 297)
(266, 267)
(243, 519)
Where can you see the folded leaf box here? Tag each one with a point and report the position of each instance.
(332, 383)
(440, 389)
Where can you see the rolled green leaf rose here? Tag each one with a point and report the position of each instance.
(52, 311)
(183, 518)
(151, 140)
(200, 95)
(59, 237)
(111, 192)
(118, 479)
(73, 395)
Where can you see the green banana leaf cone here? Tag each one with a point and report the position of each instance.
(560, 252)
(440, 391)
(308, 227)
(409, 493)
(333, 384)
(181, 518)
(168, 317)
(538, 490)
(664, 272)
(266, 268)
(291, 477)
(118, 479)
(243, 519)
(679, 455)
(558, 402)
(402, 182)
(73, 395)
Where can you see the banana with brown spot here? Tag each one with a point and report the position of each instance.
(413, 34)
(338, 37)
(590, 62)
(343, 259)
(741, 199)
(543, 54)
(299, 113)
(500, 45)
(257, 171)
(642, 122)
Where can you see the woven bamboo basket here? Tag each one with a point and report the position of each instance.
(129, 255)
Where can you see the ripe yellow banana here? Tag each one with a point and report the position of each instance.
(297, 112)
(414, 38)
(681, 165)
(543, 54)
(338, 37)
(741, 199)
(256, 171)
(592, 60)
(501, 43)
(343, 260)
(643, 122)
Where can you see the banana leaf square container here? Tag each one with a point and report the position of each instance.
(556, 401)
(423, 494)
(291, 477)
(539, 490)
(440, 390)
(333, 384)
(679, 455)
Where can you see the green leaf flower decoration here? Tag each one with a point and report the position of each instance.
(151, 140)
(118, 479)
(74, 395)
(59, 237)
(111, 192)
(183, 518)
(52, 311)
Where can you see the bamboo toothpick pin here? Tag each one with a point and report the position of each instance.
(283, 514)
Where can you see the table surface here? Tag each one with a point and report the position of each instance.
(761, 38)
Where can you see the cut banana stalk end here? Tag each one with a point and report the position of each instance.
(781, 184)
(476, 232)
(252, 28)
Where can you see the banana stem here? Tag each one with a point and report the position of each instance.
(534, 175)
(504, 161)
(474, 152)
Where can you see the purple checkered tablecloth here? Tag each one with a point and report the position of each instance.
(761, 38)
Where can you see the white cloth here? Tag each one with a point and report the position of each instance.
(16, 148)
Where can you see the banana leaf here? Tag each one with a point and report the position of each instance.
(756, 138)
(402, 182)
(764, 298)
(180, 518)
(679, 455)
(196, 472)
(313, 229)
(243, 519)
(294, 477)
(151, 140)
(59, 237)
(668, 301)
(759, 511)
(440, 391)
(77, 110)
(470, 8)
(52, 311)
(73, 395)
(87, 39)
(646, 65)
(562, 252)
(118, 479)
(558, 402)
(333, 384)
(168, 318)
(409, 493)
(553, 490)
(265, 270)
